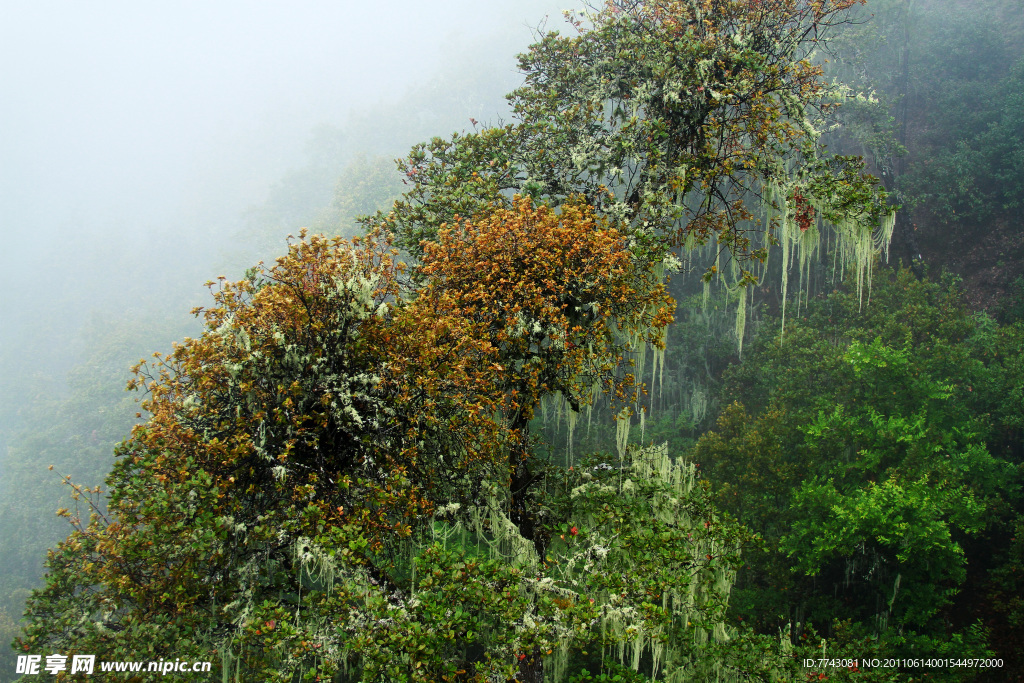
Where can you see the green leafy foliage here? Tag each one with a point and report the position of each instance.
(875, 463)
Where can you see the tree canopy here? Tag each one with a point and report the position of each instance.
(338, 478)
(686, 124)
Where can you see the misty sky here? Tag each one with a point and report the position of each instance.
(133, 125)
(107, 108)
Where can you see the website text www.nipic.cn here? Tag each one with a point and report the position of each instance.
(30, 665)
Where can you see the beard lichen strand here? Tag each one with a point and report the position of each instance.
(227, 658)
(641, 412)
(507, 544)
(596, 392)
(808, 243)
(622, 420)
(741, 319)
(698, 404)
(571, 418)
(883, 238)
(658, 367)
(558, 400)
(856, 244)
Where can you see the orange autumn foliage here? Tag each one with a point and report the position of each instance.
(555, 299)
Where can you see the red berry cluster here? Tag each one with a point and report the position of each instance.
(804, 211)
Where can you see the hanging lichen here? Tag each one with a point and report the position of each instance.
(622, 421)
(660, 491)
(798, 217)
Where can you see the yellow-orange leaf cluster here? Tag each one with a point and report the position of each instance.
(555, 298)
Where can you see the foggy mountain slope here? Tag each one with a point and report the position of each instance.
(944, 129)
(880, 431)
(147, 152)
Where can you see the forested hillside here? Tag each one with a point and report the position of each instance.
(703, 362)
